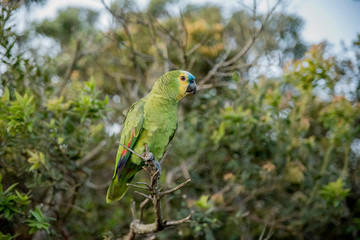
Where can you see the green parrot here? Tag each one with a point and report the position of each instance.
(151, 121)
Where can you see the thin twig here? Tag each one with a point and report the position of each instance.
(92, 154)
(174, 189)
(133, 210)
(177, 222)
(225, 63)
(136, 226)
(142, 206)
(144, 195)
(132, 151)
(137, 186)
(76, 57)
(143, 183)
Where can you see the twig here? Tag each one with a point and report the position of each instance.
(197, 46)
(177, 222)
(90, 156)
(133, 210)
(143, 183)
(124, 23)
(215, 68)
(132, 151)
(144, 195)
(155, 195)
(174, 189)
(97, 187)
(226, 63)
(76, 57)
(142, 206)
(137, 186)
(164, 155)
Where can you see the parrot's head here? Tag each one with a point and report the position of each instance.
(176, 84)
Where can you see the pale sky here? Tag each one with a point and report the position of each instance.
(332, 20)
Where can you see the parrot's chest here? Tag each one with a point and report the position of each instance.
(158, 133)
(158, 141)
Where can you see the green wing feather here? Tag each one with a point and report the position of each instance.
(125, 170)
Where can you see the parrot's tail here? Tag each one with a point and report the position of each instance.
(118, 188)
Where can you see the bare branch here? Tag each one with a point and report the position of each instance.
(76, 57)
(132, 151)
(136, 226)
(143, 183)
(197, 46)
(124, 23)
(137, 186)
(225, 63)
(178, 222)
(90, 156)
(142, 206)
(144, 195)
(165, 154)
(174, 189)
(133, 210)
(214, 69)
(97, 187)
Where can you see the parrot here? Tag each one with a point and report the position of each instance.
(150, 122)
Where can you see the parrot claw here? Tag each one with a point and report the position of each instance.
(158, 168)
(149, 157)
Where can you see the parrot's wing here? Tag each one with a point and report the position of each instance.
(172, 136)
(132, 128)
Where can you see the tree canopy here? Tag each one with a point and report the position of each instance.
(271, 140)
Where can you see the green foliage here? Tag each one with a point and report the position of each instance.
(38, 221)
(335, 192)
(14, 206)
(12, 202)
(265, 154)
(273, 147)
(71, 22)
(19, 114)
(7, 236)
(46, 141)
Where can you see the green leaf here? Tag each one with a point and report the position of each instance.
(10, 188)
(335, 192)
(6, 95)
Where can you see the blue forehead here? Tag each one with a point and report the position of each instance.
(190, 76)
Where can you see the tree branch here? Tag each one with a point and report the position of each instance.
(223, 62)
(137, 227)
(76, 57)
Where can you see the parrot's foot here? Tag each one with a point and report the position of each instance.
(158, 168)
(151, 165)
(148, 156)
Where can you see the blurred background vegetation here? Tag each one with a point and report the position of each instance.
(270, 155)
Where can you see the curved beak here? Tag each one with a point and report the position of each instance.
(191, 88)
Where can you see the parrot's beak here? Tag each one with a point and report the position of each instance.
(191, 89)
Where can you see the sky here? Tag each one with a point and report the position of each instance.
(331, 20)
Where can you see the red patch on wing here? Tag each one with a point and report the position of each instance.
(124, 151)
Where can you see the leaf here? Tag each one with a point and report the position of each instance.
(37, 160)
(38, 221)
(6, 95)
(19, 98)
(203, 202)
(10, 188)
(335, 192)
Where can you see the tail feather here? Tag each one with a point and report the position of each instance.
(118, 187)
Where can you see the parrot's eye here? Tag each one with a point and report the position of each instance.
(182, 78)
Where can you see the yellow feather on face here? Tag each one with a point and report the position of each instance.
(183, 85)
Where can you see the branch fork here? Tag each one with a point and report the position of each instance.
(137, 227)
